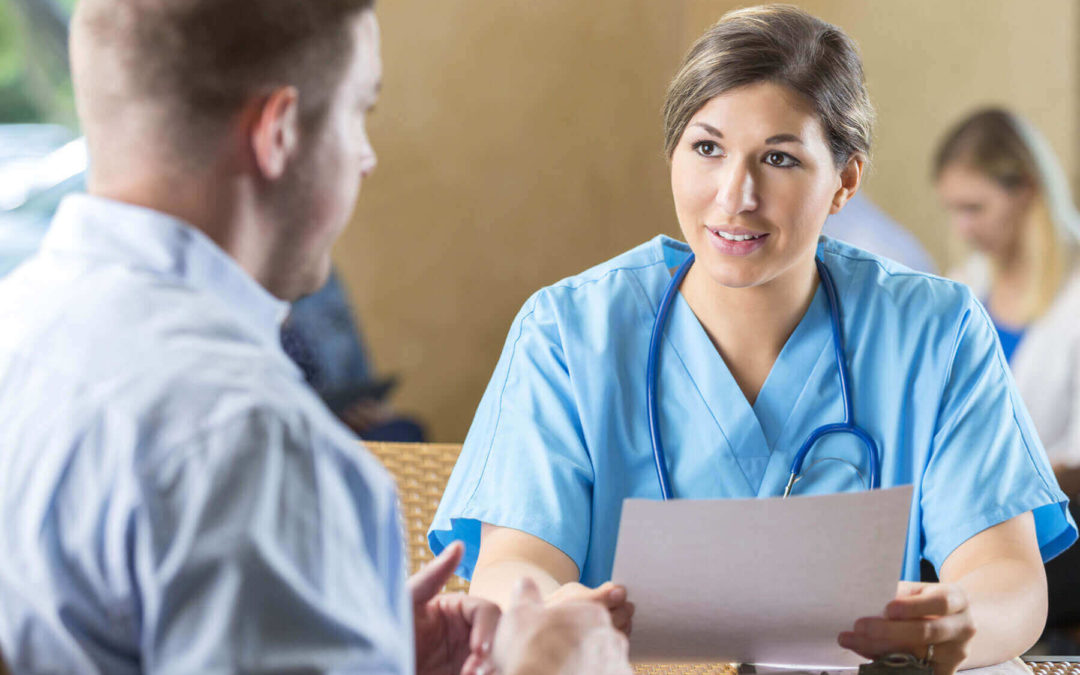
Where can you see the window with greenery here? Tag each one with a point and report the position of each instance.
(35, 83)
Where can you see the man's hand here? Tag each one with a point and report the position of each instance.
(609, 595)
(921, 615)
(565, 638)
(454, 633)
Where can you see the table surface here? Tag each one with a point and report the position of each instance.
(1040, 665)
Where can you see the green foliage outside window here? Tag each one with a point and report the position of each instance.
(35, 83)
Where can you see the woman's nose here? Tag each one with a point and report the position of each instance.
(736, 192)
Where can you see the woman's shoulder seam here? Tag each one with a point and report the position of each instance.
(569, 285)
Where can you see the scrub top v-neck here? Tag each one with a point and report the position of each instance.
(561, 437)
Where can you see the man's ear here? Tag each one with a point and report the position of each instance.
(275, 132)
(850, 179)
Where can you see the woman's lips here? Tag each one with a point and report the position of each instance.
(733, 247)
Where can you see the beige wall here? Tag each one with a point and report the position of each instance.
(520, 142)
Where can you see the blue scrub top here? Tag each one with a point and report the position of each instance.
(561, 436)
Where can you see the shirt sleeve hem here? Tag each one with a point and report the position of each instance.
(466, 528)
(1054, 527)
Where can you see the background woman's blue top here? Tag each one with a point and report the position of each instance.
(1009, 336)
(561, 436)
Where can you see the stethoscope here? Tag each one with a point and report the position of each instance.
(846, 427)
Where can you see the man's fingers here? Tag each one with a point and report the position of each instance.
(477, 665)
(586, 615)
(526, 591)
(621, 615)
(905, 588)
(941, 600)
(609, 594)
(614, 595)
(426, 583)
(483, 618)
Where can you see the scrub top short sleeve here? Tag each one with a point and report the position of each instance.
(524, 464)
(986, 464)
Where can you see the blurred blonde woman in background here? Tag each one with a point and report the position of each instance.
(1008, 198)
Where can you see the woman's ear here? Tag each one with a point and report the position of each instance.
(850, 179)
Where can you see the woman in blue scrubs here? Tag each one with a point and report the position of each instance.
(768, 129)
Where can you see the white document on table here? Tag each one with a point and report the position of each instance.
(766, 581)
(1012, 667)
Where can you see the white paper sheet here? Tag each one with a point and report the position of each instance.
(1013, 667)
(766, 581)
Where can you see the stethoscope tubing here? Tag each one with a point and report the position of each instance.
(651, 374)
(847, 426)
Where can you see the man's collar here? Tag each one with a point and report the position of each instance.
(140, 238)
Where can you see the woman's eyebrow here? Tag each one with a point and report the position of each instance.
(710, 128)
(783, 138)
(771, 140)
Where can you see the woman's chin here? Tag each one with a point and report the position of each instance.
(740, 274)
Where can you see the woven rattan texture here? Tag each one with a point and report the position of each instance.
(421, 471)
(686, 669)
(1054, 667)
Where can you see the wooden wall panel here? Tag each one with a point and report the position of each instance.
(519, 142)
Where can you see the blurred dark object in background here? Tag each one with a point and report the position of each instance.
(321, 335)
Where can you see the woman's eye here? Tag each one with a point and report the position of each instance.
(780, 159)
(707, 148)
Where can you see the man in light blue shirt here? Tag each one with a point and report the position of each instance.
(159, 448)
(173, 498)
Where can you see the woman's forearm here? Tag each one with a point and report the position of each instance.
(496, 581)
(1008, 607)
(507, 555)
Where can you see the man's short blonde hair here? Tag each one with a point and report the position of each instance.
(201, 60)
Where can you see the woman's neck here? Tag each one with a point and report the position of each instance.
(1011, 280)
(750, 326)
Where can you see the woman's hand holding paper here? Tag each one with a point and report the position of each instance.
(930, 621)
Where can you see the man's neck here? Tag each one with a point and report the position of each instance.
(212, 204)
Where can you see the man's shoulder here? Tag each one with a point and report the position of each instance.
(102, 324)
(162, 359)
